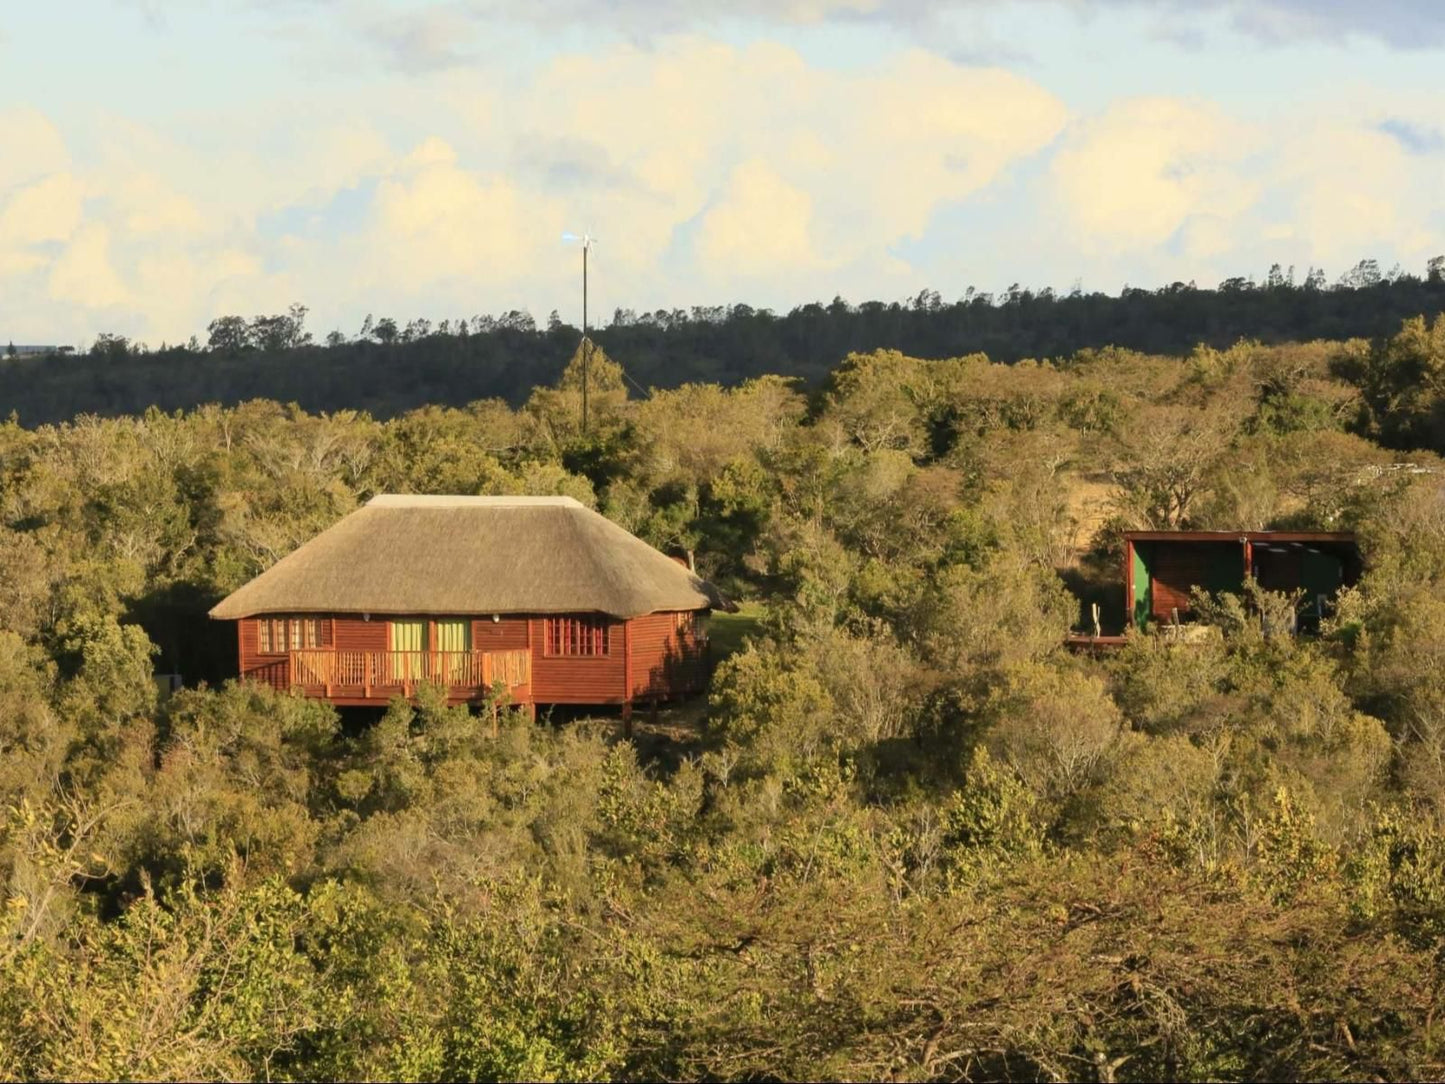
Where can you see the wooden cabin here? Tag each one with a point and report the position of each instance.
(1161, 568)
(540, 595)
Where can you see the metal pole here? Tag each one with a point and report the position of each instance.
(586, 342)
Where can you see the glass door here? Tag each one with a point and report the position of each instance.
(407, 659)
(454, 644)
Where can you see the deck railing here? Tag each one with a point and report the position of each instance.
(367, 670)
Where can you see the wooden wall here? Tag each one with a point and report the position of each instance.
(272, 669)
(648, 657)
(1177, 568)
(508, 634)
(351, 633)
(576, 679)
(666, 660)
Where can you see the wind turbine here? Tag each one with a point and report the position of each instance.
(587, 241)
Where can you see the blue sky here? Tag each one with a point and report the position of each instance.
(165, 162)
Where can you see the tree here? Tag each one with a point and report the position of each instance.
(1362, 276)
(228, 335)
(283, 332)
(1402, 380)
(1168, 454)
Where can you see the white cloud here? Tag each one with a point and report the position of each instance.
(1145, 168)
(84, 276)
(433, 220)
(1351, 187)
(704, 128)
(760, 225)
(30, 147)
(48, 210)
(1182, 190)
(712, 172)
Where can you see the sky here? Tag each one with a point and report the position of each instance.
(165, 162)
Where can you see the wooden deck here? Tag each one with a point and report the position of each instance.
(368, 677)
(1082, 641)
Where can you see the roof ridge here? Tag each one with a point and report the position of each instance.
(462, 500)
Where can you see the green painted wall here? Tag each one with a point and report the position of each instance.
(1320, 574)
(1225, 569)
(1143, 597)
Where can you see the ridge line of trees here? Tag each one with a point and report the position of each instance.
(389, 366)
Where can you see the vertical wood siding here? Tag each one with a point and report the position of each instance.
(578, 679)
(1178, 569)
(665, 661)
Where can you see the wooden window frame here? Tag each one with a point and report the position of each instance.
(688, 625)
(596, 624)
(278, 635)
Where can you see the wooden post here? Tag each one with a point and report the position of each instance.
(627, 718)
(366, 676)
(627, 671)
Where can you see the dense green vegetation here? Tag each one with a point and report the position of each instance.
(388, 367)
(912, 837)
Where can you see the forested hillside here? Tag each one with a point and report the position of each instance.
(388, 367)
(907, 836)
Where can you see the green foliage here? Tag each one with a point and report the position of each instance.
(1402, 381)
(991, 821)
(906, 836)
(775, 710)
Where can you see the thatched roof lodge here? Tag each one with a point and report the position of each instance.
(541, 594)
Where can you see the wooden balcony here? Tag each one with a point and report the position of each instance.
(377, 676)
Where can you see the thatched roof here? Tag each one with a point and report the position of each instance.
(473, 555)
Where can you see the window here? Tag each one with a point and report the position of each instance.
(688, 625)
(407, 635)
(577, 636)
(454, 635)
(278, 635)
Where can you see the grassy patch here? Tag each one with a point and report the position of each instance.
(727, 631)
